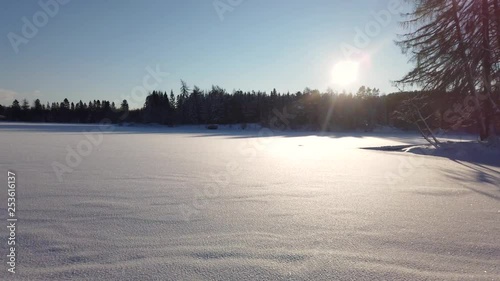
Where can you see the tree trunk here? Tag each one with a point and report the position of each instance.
(468, 71)
(486, 67)
(495, 94)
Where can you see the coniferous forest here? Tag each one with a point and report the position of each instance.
(453, 46)
(307, 110)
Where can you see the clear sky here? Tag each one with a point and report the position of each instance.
(93, 49)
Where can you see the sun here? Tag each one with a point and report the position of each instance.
(345, 72)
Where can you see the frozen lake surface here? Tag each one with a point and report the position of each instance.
(156, 203)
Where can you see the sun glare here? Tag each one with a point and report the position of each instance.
(345, 72)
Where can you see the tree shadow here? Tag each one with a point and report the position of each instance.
(473, 153)
(68, 128)
(410, 138)
(267, 133)
(477, 173)
(199, 131)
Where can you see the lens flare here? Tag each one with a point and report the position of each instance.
(345, 72)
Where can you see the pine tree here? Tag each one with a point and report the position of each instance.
(37, 105)
(26, 105)
(124, 106)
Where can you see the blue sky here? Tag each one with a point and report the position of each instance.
(100, 49)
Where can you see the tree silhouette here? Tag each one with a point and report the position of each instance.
(454, 45)
(310, 109)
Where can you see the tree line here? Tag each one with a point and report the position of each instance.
(454, 46)
(307, 109)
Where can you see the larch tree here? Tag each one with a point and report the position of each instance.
(454, 45)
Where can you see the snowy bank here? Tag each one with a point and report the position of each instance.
(468, 151)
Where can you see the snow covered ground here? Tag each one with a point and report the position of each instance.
(156, 203)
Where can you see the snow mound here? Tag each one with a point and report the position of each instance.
(468, 151)
(475, 152)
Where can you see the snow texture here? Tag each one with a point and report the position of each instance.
(157, 203)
